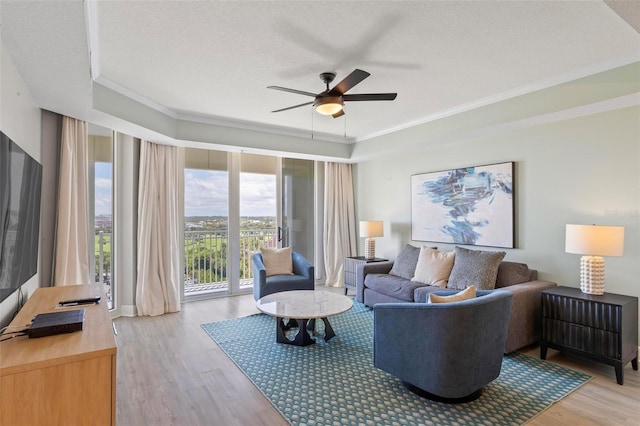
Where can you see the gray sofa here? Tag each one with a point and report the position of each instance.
(375, 285)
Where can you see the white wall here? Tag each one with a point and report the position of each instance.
(583, 170)
(20, 120)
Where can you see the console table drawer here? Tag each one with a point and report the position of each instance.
(587, 339)
(583, 312)
(599, 327)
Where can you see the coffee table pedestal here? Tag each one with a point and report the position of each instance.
(306, 331)
(299, 310)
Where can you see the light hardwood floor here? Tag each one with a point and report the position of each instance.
(171, 373)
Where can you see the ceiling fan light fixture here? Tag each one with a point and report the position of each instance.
(331, 101)
(328, 105)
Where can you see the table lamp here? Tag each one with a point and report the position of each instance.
(593, 242)
(369, 230)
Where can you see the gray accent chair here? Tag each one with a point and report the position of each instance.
(302, 279)
(443, 351)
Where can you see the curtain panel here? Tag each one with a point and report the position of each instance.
(72, 221)
(159, 228)
(340, 223)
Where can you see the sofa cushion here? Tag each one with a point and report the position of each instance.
(405, 264)
(391, 285)
(434, 267)
(510, 273)
(277, 261)
(467, 293)
(475, 267)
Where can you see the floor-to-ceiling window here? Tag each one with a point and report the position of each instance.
(298, 206)
(234, 204)
(233, 208)
(101, 208)
(206, 222)
(258, 210)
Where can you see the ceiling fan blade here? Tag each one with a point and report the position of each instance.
(349, 81)
(338, 114)
(285, 89)
(292, 107)
(370, 97)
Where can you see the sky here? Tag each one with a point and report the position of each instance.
(206, 192)
(102, 189)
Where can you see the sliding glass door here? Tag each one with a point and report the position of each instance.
(235, 204)
(258, 212)
(298, 207)
(206, 222)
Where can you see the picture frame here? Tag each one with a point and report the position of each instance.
(466, 206)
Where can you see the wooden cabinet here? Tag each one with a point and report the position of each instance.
(66, 379)
(603, 328)
(350, 267)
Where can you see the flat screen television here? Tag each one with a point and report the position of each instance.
(20, 186)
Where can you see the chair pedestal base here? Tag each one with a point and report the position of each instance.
(423, 393)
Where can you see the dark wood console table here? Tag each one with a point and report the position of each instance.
(602, 328)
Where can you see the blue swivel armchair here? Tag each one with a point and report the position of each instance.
(443, 351)
(302, 279)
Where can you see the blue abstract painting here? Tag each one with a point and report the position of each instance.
(471, 206)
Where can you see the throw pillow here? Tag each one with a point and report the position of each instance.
(405, 264)
(475, 267)
(434, 267)
(277, 261)
(467, 293)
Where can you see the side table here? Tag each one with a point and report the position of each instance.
(350, 267)
(602, 328)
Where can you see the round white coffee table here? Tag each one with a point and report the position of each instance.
(302, 308)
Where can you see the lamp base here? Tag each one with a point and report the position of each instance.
(369, 248)
(592, 275)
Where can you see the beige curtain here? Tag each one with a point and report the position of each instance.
(72, 229)
(159, 228)
(340, 223)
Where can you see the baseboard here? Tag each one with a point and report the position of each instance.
(128, 311)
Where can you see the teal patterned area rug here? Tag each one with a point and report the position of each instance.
(335, 383)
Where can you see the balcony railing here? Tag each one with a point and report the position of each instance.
(205, 259)
(102, 246)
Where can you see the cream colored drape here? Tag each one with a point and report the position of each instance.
(159, 228)
(340, 223)
(72, 229)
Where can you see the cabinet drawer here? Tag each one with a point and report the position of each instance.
(351, 266)
(350, 279)
(579, 337)
(582, 312)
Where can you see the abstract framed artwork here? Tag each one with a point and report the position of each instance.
(471, 206)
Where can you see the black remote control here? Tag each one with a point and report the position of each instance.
(86, 301)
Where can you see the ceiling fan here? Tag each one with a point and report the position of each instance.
(331, 101)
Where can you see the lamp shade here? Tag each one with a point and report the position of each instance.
(371, 228)
(594, 240)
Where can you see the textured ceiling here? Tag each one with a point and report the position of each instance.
(213, 60)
